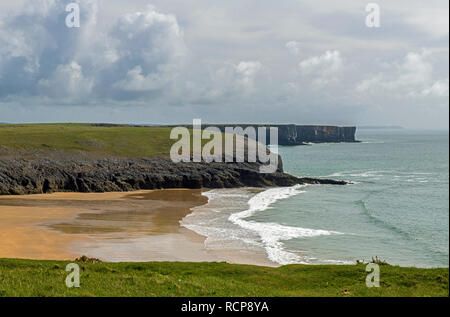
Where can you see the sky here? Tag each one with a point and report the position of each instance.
(252, 61)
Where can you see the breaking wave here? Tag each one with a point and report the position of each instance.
(272, 235)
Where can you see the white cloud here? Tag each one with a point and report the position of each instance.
(415, 69)
(150, 47)
(439, 88)
(230, 82)
(328, 63)
(141, 52)
(247, 70)
(412, 77)
(136, 81)
(67, 81)
(368, 83)
(322, 68)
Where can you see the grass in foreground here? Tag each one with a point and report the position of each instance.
(47, 278)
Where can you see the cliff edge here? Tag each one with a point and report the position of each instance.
(45, 158)
(292, 134)
(63, 172)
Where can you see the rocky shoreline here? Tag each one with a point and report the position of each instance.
(69, 172)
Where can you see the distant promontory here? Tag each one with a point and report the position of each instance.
(292, 134)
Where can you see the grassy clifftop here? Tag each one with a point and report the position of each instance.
(126, 141)
(44, 158)
(47, 278)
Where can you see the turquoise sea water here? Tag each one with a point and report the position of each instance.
(397, 208)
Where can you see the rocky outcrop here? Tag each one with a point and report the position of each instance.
(68, 172)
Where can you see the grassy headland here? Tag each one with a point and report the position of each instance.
(47, 278)
(128, 141)
(108, 140)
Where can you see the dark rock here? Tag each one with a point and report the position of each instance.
(292, 134)
(86, 259)
(72, 173)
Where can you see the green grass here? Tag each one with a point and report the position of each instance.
(111, 140)
(47, 278)
(114, 140)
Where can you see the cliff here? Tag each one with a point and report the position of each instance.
(45, 158)
(301, 134)
(62, 172)
(291, 134)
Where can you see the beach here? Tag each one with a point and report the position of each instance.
(41, 234)
(114, 227)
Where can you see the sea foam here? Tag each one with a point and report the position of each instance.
(273, 234)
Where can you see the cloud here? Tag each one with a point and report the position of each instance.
(412, 77)
(322, 68)
(247, 72)
(136, 81)
(439, 88)
(299, 62)
(30, 46)
(149, 49)
(141, 52)
(415, 69)
(434, 21)
(225, 83)
(67, 81)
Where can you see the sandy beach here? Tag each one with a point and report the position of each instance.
(115, 227)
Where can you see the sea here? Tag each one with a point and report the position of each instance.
(396, 207)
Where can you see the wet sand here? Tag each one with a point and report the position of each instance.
(114, 227)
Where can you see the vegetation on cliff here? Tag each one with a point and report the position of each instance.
(44, 158)
(116, 140)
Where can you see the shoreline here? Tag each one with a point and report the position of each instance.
(139, 226)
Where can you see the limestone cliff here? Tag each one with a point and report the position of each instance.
(291, 134)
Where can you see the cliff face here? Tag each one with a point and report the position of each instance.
(291, 134)
(320, 134)
(78, 173)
